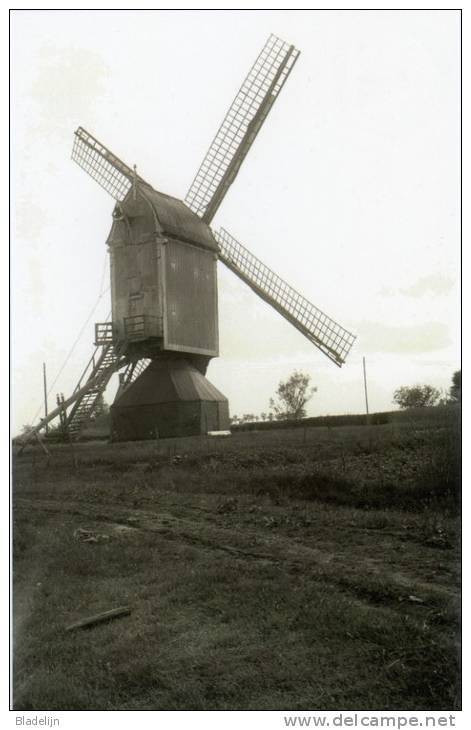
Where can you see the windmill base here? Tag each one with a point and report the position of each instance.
(171, 398)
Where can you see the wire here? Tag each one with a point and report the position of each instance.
(102, 281)
(82, 330)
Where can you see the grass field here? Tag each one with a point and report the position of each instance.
(299, 569)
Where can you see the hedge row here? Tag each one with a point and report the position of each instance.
(435, 413)
(319, 421)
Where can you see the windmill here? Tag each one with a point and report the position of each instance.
(163, 329)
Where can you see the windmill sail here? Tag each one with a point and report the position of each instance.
(102, 165)
(321, 330)
(240, 127)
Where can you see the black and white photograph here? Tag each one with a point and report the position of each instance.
(235, 296)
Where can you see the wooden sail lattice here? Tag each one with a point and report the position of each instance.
(326, 334)
(102, 165)
(240, 127)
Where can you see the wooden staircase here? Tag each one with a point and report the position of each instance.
(101, 366)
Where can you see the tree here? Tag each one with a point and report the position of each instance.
(416, 396)
(292, 396)
(455, 390)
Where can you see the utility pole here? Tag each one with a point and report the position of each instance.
(45, 395)
(366, 389)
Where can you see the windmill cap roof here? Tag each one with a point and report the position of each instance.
(166, 381)
(176, 218)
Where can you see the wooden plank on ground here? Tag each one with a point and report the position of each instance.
(100, 617)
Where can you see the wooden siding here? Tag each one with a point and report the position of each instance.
(190, 310)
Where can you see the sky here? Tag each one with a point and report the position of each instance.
(351, 191)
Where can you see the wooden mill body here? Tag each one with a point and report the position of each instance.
(163, 263)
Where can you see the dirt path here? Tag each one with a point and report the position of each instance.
(202, 529)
